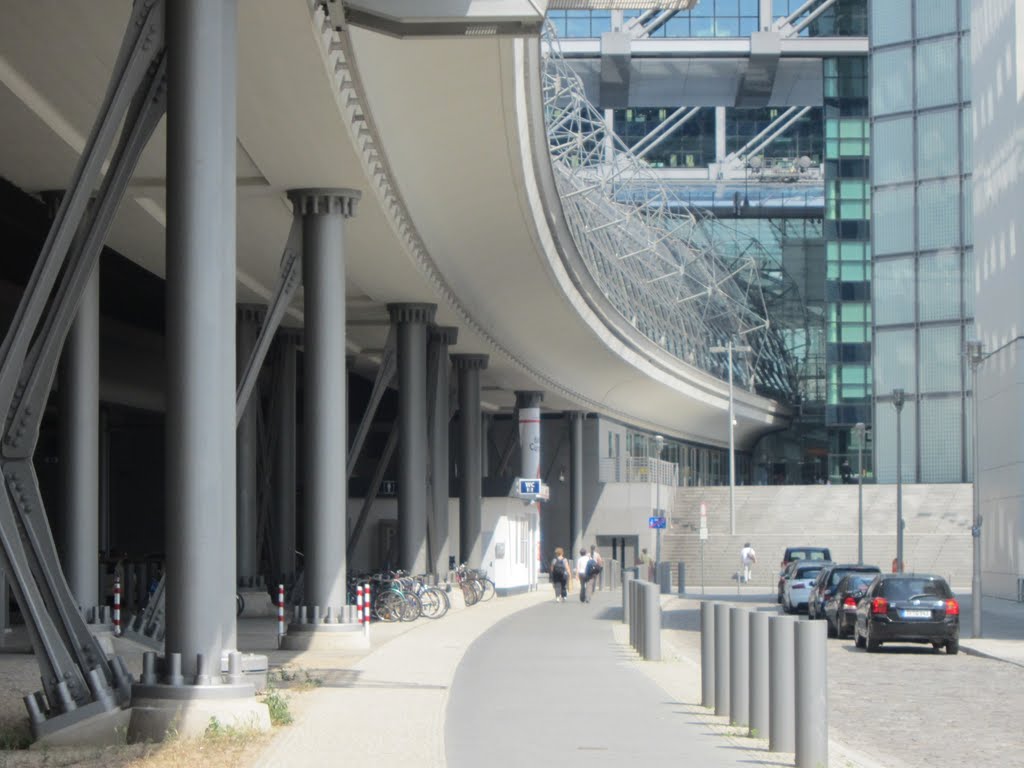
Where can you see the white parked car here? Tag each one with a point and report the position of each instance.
(797, 588)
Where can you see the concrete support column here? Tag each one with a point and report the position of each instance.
(247, 451)
(441, 338)
(200, 531)
(79, 390)
(411, 322)
(468, 369)
(283, 525)
(720, 150)
(576, 480)
(325, 438)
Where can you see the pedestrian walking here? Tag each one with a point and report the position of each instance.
(581, 574)
(595, 566)
(646, 559)
(559, 574)
(747, 557)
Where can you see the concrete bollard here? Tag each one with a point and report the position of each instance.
(632, 612)
(722, 659)
(707, 654)
(652, 623)
(665, 578)
(811, 708)
(627, 578)
(681, 577)
(757, 703)
(739, 666)
(781, 710)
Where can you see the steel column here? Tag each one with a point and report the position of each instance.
(247, 447)
(757, 705)
(411, 321)
(468, 369)
(79, 450)
(811, 701)
(200, 335)
(739, 669)
(284, 459)
(325, 429)
(781, 663)
(441, 338)
(576, 480)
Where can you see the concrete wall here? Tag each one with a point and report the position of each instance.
(997, 62)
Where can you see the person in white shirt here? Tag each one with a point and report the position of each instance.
(581, 574)
(748, 557)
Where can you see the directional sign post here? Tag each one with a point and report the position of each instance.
(657, 522)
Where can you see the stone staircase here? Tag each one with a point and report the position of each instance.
(936, 535)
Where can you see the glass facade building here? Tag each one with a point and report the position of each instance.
(922, 242)
(880, 255)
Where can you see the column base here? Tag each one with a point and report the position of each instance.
(105, 729)
(325, 637)
(254, 668)
(186, 711)
(257, 603)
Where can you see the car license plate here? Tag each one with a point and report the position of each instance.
(916, 614)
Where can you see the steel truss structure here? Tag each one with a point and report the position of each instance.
(656, 260)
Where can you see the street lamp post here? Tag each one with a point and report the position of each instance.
(897, 400)
(659, 441)
(860, 428)
(975, 356)
(729, 348)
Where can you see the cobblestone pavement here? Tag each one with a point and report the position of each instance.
(906, 706)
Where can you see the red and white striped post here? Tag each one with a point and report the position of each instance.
(280, 613)
(117, 606)
(359, 603)
(366, 610)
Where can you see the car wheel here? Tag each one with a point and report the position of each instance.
(871, 644)
(830, 628)
(857, 638)
(952, 647)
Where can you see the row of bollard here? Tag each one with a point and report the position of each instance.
(641, 610)
(768, 673)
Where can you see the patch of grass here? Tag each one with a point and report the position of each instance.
(15, 736)
(301, 679)
(280, 714)
(310, 681)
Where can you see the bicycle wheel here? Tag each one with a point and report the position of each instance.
(388, 606)
(239, 604)
(412, 607)
(488, 589)
(470, 595)
(434, 606)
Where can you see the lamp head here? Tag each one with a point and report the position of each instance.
(898, 398)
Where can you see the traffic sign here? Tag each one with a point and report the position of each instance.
(656, 522)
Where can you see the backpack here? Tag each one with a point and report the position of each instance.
(558, 572)
(592, 568)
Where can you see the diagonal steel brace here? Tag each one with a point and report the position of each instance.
(78, 681)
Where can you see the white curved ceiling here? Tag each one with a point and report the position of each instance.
(454, 215)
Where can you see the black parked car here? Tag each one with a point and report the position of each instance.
(908, 608)
(800, 553)
(841, 607)
(826, 583)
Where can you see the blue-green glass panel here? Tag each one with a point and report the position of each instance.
(938, 276)
(892, 24)
(937, 75)
(892, 81)
(935, 17)
(893, 217)
(941, 358)
(893, 150)
(937, 154)
(938, 214)
(893, 288)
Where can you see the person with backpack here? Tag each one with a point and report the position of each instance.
(582, 567)
(559, 574)
(594, 568)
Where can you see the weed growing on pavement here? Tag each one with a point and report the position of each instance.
(15, 736)
(280, 714)
(754, 733)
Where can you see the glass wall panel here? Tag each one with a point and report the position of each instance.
(893, 150)
(937, 75)
(893, 214)
(894, 360)
(893, 24)
(969, 283)
(891, 84)
(937, 155)
(940, 440)
(893, 286)
(938, 214)
(965, 67)
(938, 278)
(884, 438)
(967, 141)
(968, 207)
(935, 17)
(940, 353)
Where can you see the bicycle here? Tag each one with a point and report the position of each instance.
(393, 603)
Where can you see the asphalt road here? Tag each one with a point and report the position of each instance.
(909, 706)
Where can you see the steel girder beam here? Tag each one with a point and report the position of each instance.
(385, 375)
(78, 680)
(291, 277)
(371, 492)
